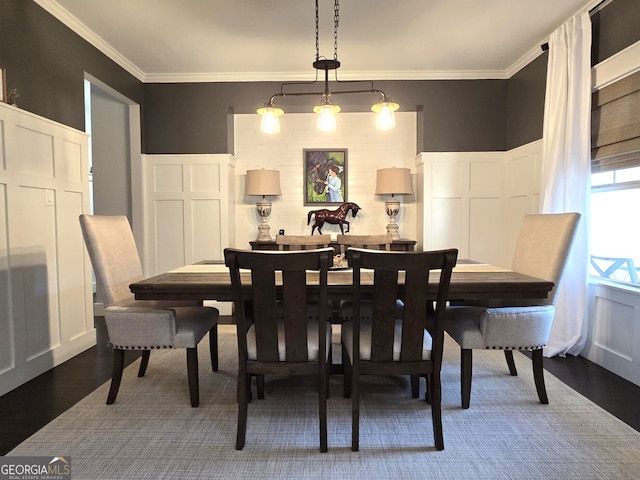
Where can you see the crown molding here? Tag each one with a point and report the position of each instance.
(64, 16)
(309, 76)
(55, 9)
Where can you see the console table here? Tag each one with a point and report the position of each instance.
(402, 245)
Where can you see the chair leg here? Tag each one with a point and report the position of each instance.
(213, 347)
(116, 376)
(347, 372)
(322, 378)
(260, 386)
(192, 374)
(427, 393)
(243, 401)
(538, 375)
(436, 409)
(355, 411)
(415, 386)
(466, 369)
(144, 363)
(508, 354)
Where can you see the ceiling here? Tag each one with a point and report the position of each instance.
(252, 40)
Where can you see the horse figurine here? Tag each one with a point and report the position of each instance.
(333, 216)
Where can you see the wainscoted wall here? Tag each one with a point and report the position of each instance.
(475, 201)
(188, 208)
(368, 150)
(46, 314)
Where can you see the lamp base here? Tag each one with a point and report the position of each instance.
(392, 207)
(264, 210)
(263, 233)
(392, 229)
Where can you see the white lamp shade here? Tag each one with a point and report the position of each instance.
(262, 182)
(326, 117)
(394, 181)
(270, 122)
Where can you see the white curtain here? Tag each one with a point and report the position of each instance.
(566, 169)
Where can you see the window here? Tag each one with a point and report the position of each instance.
(615, 181)
(615, 225)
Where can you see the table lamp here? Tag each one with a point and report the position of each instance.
(393, 181)
(263, 182)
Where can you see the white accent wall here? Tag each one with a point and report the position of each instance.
(46, 307)
(368, 150)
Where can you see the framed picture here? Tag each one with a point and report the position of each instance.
(325, 176)
(3, 84)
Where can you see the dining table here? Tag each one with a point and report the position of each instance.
(470, 281)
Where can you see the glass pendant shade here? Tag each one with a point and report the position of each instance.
(326, 117)
(270, 122)
(385, 118)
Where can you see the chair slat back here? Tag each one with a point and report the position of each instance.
(278, 291)
(372, 242)
(418, 268)
(302, 242)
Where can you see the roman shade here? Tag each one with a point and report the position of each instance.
(615, 125)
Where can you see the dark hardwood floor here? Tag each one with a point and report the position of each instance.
(31, 406)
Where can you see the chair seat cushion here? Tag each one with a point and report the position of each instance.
(313, 348)
(142, 328)
(508, 328)
(365, 340)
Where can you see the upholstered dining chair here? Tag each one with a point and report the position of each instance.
(277, 332)
(383, 343)
(541, 251)
(302, 242)
(139, 324)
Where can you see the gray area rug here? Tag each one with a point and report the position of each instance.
(151, 432)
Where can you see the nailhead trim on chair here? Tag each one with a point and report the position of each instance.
(534, 347)
(119, 347)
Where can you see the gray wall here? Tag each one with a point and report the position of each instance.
(46, 62)
(525, 103)
(457, 115)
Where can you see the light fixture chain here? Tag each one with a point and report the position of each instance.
(336, 21)
(317, 34)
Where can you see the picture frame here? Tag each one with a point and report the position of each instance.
(3, 84)
(317, 163)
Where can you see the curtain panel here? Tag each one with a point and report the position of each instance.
(566, 169)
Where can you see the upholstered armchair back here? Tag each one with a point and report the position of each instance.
(543, 247)
(117, 266)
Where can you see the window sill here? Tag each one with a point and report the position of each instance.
(621, 286)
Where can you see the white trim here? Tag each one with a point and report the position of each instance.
(55, 9)
(618, 66)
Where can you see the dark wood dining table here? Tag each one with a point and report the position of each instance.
(210, 280)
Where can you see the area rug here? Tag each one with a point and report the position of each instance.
(151, 432)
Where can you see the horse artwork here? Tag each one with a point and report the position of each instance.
(317, 164)
(336, 216)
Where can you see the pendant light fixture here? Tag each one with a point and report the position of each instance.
(327, 110)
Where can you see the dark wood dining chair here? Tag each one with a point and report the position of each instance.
(302, 242)
(385, 344)
(372, 242)
(277, 333)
